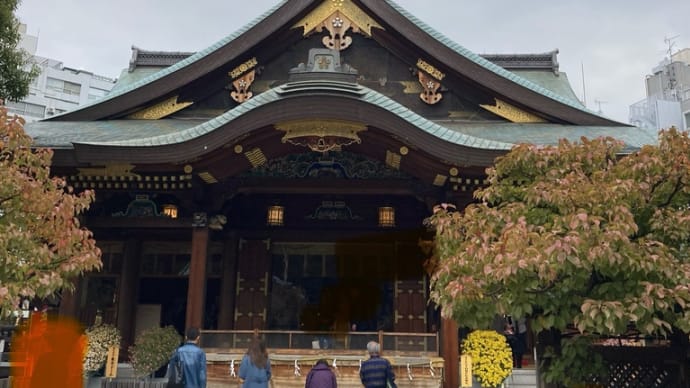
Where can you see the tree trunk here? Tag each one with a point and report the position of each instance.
(547, 338)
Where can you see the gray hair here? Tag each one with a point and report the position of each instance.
(373, 347)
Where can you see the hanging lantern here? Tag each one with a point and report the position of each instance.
(275, 215)
(386, 217)
(170, 210)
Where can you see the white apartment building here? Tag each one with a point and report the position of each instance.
(58, 88)
(668, 95)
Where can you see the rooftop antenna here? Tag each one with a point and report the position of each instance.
(599, 102)
(669, 68)
(670, 42)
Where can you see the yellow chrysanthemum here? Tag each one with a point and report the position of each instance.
(492, 360)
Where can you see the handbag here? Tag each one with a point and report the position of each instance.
(175, 372)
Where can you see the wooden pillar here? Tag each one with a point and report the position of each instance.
(127, 292)
(69, 302)
(450, 352)
(196, 290)
(228, 286)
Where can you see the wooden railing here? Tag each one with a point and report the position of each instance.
(414, 356)
(392, 343)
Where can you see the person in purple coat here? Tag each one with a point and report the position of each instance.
(321, 376)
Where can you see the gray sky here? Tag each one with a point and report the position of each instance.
(617, 42)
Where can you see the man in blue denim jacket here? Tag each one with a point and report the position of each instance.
(193, 361)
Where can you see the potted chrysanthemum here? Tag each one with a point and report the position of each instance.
(99, 338)
(152, 349)
(492, 360)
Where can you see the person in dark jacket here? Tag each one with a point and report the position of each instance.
(193, 360)
(321, 376)
(376, 372)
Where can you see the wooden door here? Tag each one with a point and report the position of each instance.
(410, 313)
(253, 271)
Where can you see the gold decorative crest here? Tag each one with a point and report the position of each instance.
(512, 113)
(337, 16)
(160, 110)
(321, 135)
(242, 85)
(430, 87)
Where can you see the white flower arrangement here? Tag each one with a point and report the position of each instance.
(99, 338)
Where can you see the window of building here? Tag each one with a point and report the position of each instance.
(95, 93)
(62, 86)
(26, 109)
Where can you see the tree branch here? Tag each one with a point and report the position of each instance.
(675, 191)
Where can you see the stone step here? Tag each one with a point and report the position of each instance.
(522, 378)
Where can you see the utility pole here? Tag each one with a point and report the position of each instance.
(584, 92)
(599, 102)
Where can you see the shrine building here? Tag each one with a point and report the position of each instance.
(277, 181)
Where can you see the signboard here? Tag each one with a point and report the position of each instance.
(465, 371)
(111, 361)
(148, 316)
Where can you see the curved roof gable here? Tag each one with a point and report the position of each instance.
(161, 138)
(453, 56)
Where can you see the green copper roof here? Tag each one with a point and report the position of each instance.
(128, 78)
(487, 64)
(142, 78)
(555, 82)
(483, 135)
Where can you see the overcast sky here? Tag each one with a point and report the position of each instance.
(617, 42)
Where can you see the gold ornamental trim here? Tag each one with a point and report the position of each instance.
(256, 157)
(431, 70)
(411, 87)
(324, 15)
(321, 135)
(393, 159)
(243, 68)
(160, 110)
(512, 113)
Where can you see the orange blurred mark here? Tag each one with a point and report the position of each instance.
(48, 353)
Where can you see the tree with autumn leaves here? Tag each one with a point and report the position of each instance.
(587, 240)
(42, 245)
